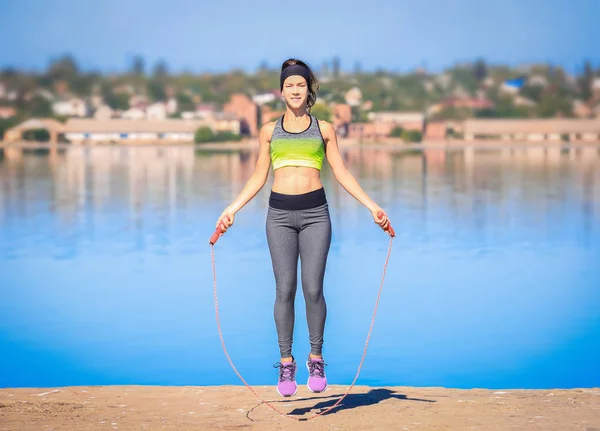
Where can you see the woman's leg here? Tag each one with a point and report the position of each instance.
(282, 238)
(314, 241)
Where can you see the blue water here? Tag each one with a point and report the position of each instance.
(493, 280)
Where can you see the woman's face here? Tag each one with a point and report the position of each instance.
(295, 91)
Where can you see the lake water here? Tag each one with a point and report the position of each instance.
(493, 280)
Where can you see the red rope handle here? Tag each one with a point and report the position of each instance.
(212, 248)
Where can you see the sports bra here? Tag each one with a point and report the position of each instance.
(305, 148)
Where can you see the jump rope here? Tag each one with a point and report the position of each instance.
(213, 239)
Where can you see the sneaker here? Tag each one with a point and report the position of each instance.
(317, 382)
(286, 385)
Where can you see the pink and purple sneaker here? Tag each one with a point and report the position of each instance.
(286, 384)
(317, 382)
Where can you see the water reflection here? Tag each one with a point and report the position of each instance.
(493, 279)
(477, 189)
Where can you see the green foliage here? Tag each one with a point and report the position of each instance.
(505, 108)
(64, 68)
(585, 81)
(451, 133)
(137, 65)
(39, 135)
(7, 123)
(533, 92)
(205, 134)
(397, 132)
(358, 115)
(225, 136)
(552, 104)
(161, 71)
(452, 113)
(386, 90)
(118, 101)
(184, 102)
(156, 90)
(480, 70)
(412, 136)
(321, 112)
(39, 107)
(81, 85)
(464, 76)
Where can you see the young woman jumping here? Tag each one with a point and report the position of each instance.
(298, 222)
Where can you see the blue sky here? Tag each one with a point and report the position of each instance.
(200, 36)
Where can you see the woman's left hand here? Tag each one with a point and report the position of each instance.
(383, 222)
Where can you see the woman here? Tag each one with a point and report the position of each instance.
(298, 222)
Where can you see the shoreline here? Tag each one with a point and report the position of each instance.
(252, 145)
(235, 407)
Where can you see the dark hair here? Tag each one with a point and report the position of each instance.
(313, 84)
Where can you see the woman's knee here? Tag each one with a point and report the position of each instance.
(286, 291)
(313, 293)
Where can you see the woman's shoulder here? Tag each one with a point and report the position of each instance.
(269, 125)
(325, 126)
(267, 129)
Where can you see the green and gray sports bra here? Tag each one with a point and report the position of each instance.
(305, 148)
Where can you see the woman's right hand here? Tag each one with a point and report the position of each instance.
(226, 220)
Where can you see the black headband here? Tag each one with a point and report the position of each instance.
(293, 69)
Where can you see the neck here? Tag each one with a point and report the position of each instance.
(294, 114)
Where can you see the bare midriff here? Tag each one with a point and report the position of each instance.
(296, 180)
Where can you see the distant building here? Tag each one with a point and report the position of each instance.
(246, 110)
(134, 114)
(382, 123)
(512, 86)
(532, 130)
(73, 107)
(7, 112)
(156, 111)
(226, 122)
(138, 101)
(263, 98)
(267, 114)
(43, 93)
(353, 96)
(53, 126)
(123, 130)
(104, 112)
(172, 106)
(595, 87)
(362, 131)
(537, 80)
(435, 130)
(205, 110)
(582, 109)
(342, 117)
(96, 101)
(524, 101)
(454, 102)
(118, 130)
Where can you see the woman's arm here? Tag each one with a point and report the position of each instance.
(344, 177)
(256, 181)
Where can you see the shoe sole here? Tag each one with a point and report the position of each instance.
(287, 396)
(314, 392)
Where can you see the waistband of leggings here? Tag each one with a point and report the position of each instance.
(302, 201)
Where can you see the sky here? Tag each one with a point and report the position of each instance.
(220, 35)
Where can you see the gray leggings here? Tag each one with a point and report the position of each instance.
(305, 233)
